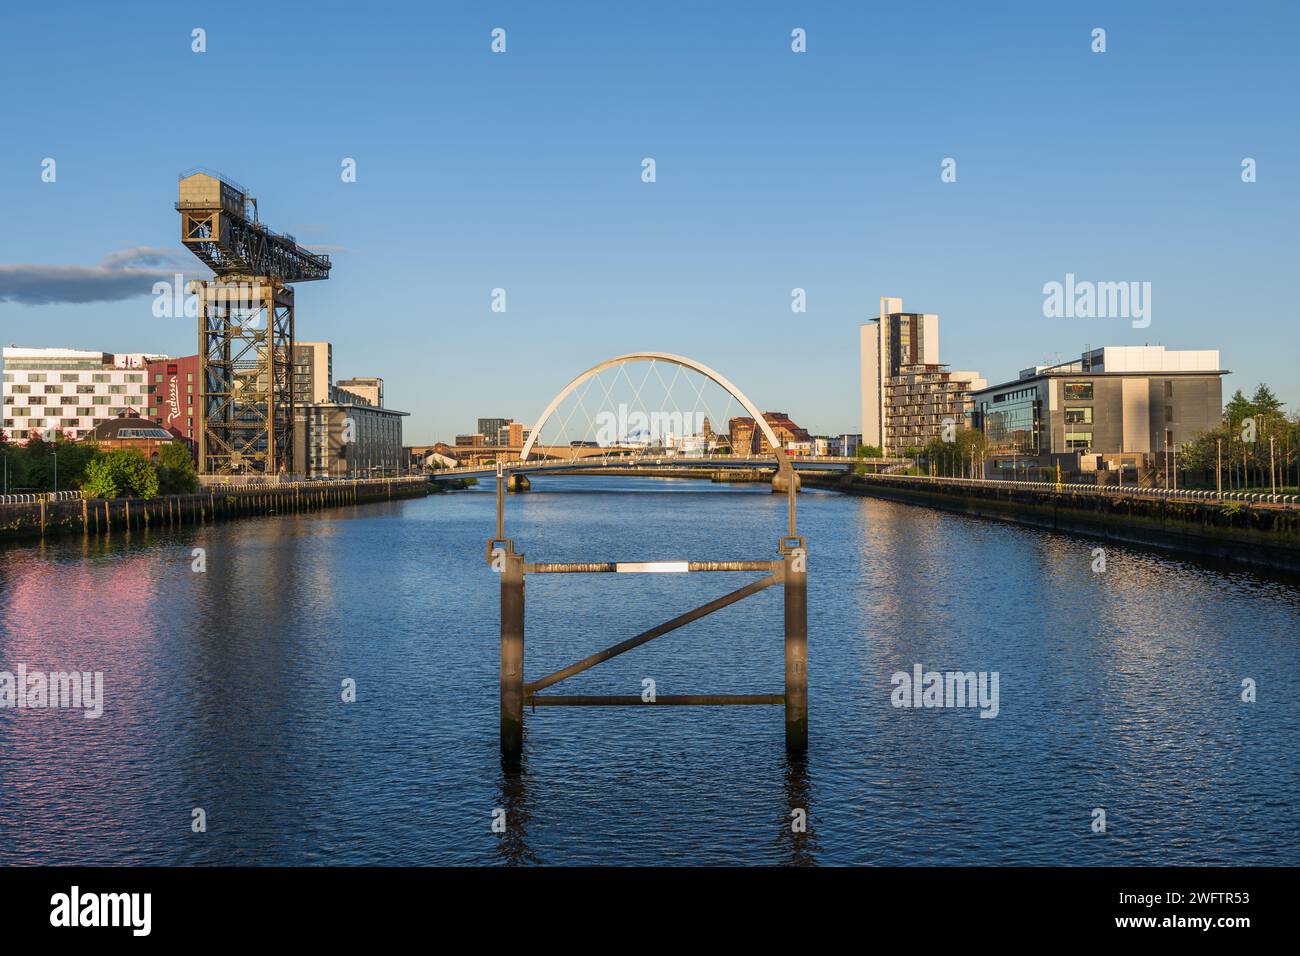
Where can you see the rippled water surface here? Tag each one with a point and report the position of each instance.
(1119, 690)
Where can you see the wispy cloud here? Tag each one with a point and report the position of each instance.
(124, 274)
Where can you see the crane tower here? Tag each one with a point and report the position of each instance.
(246, 390)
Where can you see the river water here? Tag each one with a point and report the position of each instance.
(223, 692)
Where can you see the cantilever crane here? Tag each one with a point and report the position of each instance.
(246, 333)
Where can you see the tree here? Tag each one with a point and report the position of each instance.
(1265, 402)
(124, 472)
(870, 451)
(176, 473)
(1238, 407)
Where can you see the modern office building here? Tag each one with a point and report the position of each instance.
(906, 393)
(845, 445)
(347, 437)
(369, 388)
(1111, 407)
(490, 428)
(70, 390)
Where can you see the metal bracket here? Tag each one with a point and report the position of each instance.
(509, 548)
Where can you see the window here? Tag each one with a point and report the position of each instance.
(100, 400)
(1078, 440)
(1078, 391)
(1169, 389)
(22, 389)
(117, 389)
(189, 376)
(157, 377)
(1078, 416)
(85, 390)
(53, 389)
(36, 377)
(134, 378)
(86, 412)
(1169, 413)
(69, 377)
(101, 378)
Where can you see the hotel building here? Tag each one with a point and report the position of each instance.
(173, 395)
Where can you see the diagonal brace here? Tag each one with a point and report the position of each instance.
(646, 636)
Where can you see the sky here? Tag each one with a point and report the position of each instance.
(774, 170)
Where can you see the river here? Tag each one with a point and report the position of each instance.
(223, 692)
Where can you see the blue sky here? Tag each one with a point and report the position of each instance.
(775, 170)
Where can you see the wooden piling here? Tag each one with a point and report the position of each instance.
(796, 651)
(512, 655)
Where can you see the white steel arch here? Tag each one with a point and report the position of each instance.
(783, 463)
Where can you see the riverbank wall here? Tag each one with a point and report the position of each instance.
(45, 516)
(1256, 534)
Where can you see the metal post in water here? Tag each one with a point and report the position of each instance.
(795, 575)
(512, 655)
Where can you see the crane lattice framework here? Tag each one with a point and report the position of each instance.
(246, 326)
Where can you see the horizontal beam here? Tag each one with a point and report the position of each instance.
(630, 700)
(647, 567)
(646, 636)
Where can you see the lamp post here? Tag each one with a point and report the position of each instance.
(55, 454)
(1218, 466)
(1272, 473)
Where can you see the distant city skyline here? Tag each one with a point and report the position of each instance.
(775, 171)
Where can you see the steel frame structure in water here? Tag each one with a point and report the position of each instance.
(790, 570)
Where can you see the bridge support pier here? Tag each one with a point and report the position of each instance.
(517, 483)
(512, 654)
(795, 574)
(781, 483)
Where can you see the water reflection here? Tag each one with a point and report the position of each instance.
(222, 690)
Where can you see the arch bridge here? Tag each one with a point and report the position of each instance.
(538, 458)
(789, 568)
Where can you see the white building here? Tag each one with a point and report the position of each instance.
(70, 390)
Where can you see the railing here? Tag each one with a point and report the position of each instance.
(1171, 494)
(663, 461)
(39, 496)
(36, 498)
